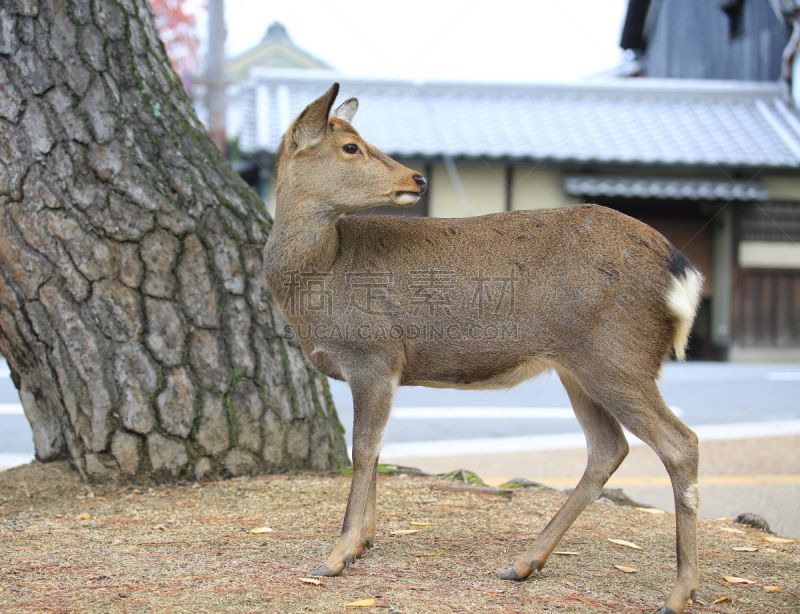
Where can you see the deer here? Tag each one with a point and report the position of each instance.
(479, 303)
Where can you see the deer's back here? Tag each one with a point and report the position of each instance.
(580, 246)
(485, 294)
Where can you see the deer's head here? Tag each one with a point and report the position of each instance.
(324, 163)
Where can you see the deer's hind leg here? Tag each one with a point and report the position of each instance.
(635, 400)
(607, 448)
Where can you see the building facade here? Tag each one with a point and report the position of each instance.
(741, 40)
(713, 165)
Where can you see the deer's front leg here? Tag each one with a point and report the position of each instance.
(372, 402)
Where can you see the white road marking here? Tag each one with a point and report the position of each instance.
(785, 376)
(498, 445)
(493, 445)
(490, 413)
(472, 413)
(12, 460)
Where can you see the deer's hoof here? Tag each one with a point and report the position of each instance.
(369, 544)
(324, 570)
(666, 610)
(512, 574)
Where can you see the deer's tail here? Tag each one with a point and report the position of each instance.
(683, 298)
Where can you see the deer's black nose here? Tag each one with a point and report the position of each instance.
(421, 182)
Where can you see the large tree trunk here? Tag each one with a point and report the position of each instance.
(132, 312)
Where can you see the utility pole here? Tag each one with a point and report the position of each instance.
(216, 76)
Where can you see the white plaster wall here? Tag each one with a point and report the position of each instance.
(769, 254)
(484, 191)
(538, 188)
(781, 187)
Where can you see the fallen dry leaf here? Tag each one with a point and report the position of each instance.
(745, 549)
(406, 532)
(735, 580)
(625, 543)
(83, 516)
(568, 553)
(159, 527)
(313, 581)
(421, 524)
(651, 510)
(261, 530)
(362, 603)
(773, 589)
(777, 540)
(626, 569)
(723, 599)
(730, 530)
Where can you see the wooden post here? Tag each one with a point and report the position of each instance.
(216, 76)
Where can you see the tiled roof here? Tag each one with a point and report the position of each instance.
(627, 121)
(667, 189)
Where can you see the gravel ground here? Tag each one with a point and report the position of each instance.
(71, 547)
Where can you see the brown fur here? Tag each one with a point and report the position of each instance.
(582, 290)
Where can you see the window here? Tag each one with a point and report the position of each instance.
(735, 14)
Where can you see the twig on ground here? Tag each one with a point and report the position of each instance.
(478, 490)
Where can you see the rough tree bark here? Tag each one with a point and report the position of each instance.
(132, 311)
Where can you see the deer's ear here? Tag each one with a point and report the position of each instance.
(312, 124)
(347, 110)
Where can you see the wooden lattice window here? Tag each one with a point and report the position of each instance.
(771, 221)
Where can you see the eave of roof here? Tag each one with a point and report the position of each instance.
(664, 188)
(322, 80)
(275, 47)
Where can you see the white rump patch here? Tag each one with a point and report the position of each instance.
(683, 298)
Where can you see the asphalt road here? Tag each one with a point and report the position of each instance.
(533, 423)
(702, 394)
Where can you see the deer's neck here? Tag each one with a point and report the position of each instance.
(302, 239)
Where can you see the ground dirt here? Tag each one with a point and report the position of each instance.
(66, 547)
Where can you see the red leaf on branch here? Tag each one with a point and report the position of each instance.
(177, 27)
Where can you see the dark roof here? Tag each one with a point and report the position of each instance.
(667, 122)
(277, 31)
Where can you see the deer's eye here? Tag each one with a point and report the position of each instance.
(350, 148)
